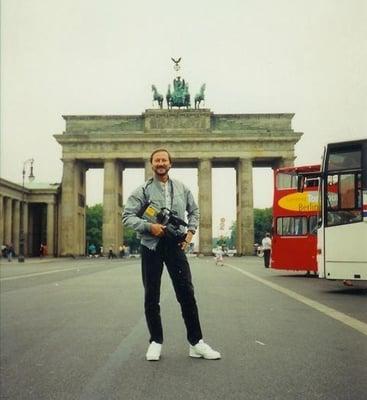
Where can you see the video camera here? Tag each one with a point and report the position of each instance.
(166, 217)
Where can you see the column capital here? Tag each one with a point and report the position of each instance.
(246, 159)
(111, 160)
(205, 159)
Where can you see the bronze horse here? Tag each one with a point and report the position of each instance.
(200, 96)
(157, 96)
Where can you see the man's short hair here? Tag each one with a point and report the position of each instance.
(159, 150)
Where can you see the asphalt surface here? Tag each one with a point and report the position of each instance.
(75, 329)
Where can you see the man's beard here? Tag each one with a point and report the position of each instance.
(166, 169)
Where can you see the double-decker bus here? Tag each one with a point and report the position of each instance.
(295, 213)
(342, 227)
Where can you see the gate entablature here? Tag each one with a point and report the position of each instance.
(196, 132)
(179, 120)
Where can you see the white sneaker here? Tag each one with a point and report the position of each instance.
(203, 350)
(154, 351)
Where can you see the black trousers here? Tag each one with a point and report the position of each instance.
(170, 253)
(266, 258)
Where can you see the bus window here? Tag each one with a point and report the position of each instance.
(292, 226)
(344, 198)
(286, 181)
(332, 191)
(347, 191)
(359, 191)
(313, 224)
(311, 182)
(344, 160)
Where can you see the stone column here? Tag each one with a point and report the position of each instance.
(69, 197)
(245, 216)
(112, 206)
(205, 206)
(24, 211)
(50, 228)
(1, 220)
(8, 218)
(72, 224)
(16, 225)
(81, 204)
(148, 170)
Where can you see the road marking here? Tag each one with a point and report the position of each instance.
(11, 278)
(330, 312)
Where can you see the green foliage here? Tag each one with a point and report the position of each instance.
(131, 240)
(233, 237)
(262, 224)
(221, 241)
(94, 229)
(94, 225)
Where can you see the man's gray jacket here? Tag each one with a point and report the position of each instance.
(182, 201)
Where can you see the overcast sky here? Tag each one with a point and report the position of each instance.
(307, 57)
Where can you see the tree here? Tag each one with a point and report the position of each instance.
(262, 224)
(233, 237)
(94, 218)
(131, 240)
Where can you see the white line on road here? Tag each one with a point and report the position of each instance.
(331, 312)
(11, 278)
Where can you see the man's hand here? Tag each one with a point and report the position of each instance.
(187, 241)
(157, 230)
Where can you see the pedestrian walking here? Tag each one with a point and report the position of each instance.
(266, 247)
(3, 250)
(110, 252)
(42, 250)
(158, 247)
(10, 252)
(219, 256)
(92, 250)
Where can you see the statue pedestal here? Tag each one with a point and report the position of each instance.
(177, 119)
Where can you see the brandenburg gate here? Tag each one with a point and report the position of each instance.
(196, 138)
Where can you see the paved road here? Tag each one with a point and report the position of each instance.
(75, 330)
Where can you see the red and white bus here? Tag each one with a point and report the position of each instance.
(295, 213)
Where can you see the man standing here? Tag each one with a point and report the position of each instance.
(266, 245)
(158, 248)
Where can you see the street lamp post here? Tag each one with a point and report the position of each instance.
(21, 234)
